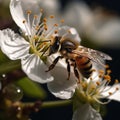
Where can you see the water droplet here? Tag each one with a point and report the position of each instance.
(4, 75)
(13, 92)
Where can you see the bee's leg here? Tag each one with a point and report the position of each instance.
(54, 63)
(76, 73)
(44, 51)
(68, 69)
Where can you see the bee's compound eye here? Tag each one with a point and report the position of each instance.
(68, 45)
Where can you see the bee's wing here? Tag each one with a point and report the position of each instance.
(94, 55)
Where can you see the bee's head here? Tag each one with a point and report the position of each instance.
(55, 46)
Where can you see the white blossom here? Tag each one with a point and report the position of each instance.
(86, 112)
(88, 94)
(32, 46)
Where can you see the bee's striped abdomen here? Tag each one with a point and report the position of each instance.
(84, 65)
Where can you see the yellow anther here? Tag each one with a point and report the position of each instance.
(110, 93)
(107, 77)
(91, 79)
(35, 37)
(109, 71)
(37, 27)
(35, 16)
(100, 76)
(41, 10)
(52, 16)
(55, 25)
(51, 37)
(56, 31)
(116, 81)
(29, 11)
(93, 70)
(45, 20)
(98, 83)
(117, 88)
(107, 66)
(45, 24)
(93, 87)
(84, 85)
(43, 35)
(45, 27)
(24, 21)
(69, 31)
(101, 72)
(62, 21)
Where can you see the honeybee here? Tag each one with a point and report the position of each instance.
(78, 56)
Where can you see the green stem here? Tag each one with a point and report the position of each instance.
(52, 104)
(56, 103)
(9, 66)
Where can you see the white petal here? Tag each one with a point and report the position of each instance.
(61, 87)
(13, 45)
(86, 112)
(18, 10)
(73, 35)
(35, 69)
(116, 95)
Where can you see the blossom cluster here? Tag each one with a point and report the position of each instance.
(32, 47)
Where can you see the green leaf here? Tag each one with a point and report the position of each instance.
(9, 66)
(30, 88)
(3, 57)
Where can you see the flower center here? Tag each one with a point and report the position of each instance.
(38, 34)
(94, 91)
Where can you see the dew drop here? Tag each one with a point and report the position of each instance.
(12, 92)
